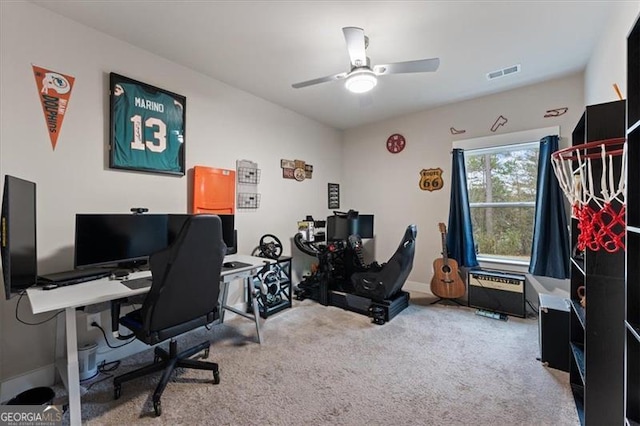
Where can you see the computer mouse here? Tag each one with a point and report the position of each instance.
(229, 264)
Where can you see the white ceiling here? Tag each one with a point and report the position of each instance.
(264, 47)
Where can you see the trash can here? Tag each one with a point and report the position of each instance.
(35, 396)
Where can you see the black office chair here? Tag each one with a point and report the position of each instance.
(183, 296)
(383, 282)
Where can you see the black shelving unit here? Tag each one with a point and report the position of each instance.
(632, 320)
(596, 330)
(278, 283)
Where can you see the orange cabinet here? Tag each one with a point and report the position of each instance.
(214, 190)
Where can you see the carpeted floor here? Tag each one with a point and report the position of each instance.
(430, 365)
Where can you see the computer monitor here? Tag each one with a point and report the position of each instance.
(18, 232)
(228, 234)
(364, 226)
(337, 228)
(341, 225)
(123, 240)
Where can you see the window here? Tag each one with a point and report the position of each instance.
(502, 193)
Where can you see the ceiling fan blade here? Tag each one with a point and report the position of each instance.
(354, 37)
(319, 80)
(421, 65)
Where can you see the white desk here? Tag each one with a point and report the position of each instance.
(103, 290)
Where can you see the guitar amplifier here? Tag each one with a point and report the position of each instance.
(498, 291)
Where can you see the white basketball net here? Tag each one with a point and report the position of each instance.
(577, 184)
(601, 223)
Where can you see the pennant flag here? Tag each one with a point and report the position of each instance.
(54, 90)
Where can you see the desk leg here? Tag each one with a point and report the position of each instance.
(73, 371)
(223, 303)
(253, 301)
(61, 346)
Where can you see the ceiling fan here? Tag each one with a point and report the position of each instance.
(363, 77)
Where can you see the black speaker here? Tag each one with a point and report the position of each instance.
(553, 330)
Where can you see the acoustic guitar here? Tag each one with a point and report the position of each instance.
(446, 282)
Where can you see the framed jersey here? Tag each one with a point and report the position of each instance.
(147, 131)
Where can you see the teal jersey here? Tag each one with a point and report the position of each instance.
(148, 129)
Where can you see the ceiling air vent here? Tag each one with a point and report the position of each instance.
(503, 72)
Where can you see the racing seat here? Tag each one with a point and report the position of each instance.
(383, 282)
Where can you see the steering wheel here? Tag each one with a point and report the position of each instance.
(270, 246)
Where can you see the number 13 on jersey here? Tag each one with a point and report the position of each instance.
(159, 142)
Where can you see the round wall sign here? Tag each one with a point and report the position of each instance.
(299, 174)
(396, 143)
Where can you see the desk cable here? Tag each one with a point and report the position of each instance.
(22, 293)
(104, 368)
(94, 324)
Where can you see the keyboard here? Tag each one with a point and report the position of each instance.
(136, 283)
(226, 266)
(75, 276)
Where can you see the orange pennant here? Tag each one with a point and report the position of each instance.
(54, 90)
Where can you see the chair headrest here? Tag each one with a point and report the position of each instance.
(411, 232)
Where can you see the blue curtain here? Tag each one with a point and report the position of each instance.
(550, 249)
(460, 237)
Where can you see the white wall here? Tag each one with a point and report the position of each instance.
(223, 125)
(608, 63)
(387, 184)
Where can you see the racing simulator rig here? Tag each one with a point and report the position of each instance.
(342, 278)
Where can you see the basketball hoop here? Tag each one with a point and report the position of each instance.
(599, 206)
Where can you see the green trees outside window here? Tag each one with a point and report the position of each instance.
(502, 193)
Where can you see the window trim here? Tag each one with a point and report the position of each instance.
(506, 139)
(499, 143)
(505, 204)
(502, 261)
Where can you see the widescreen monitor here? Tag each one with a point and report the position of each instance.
(228, 234)
(122, 240)
(18, 232)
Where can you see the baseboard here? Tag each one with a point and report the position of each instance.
(43, 376)
(416, 286)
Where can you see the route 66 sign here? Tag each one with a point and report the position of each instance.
(431, 179)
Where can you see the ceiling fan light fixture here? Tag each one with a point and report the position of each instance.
(361, 81)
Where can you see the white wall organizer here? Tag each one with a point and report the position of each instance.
(248, 175)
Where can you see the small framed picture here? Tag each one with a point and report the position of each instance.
(147, 131)
(333, 196)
